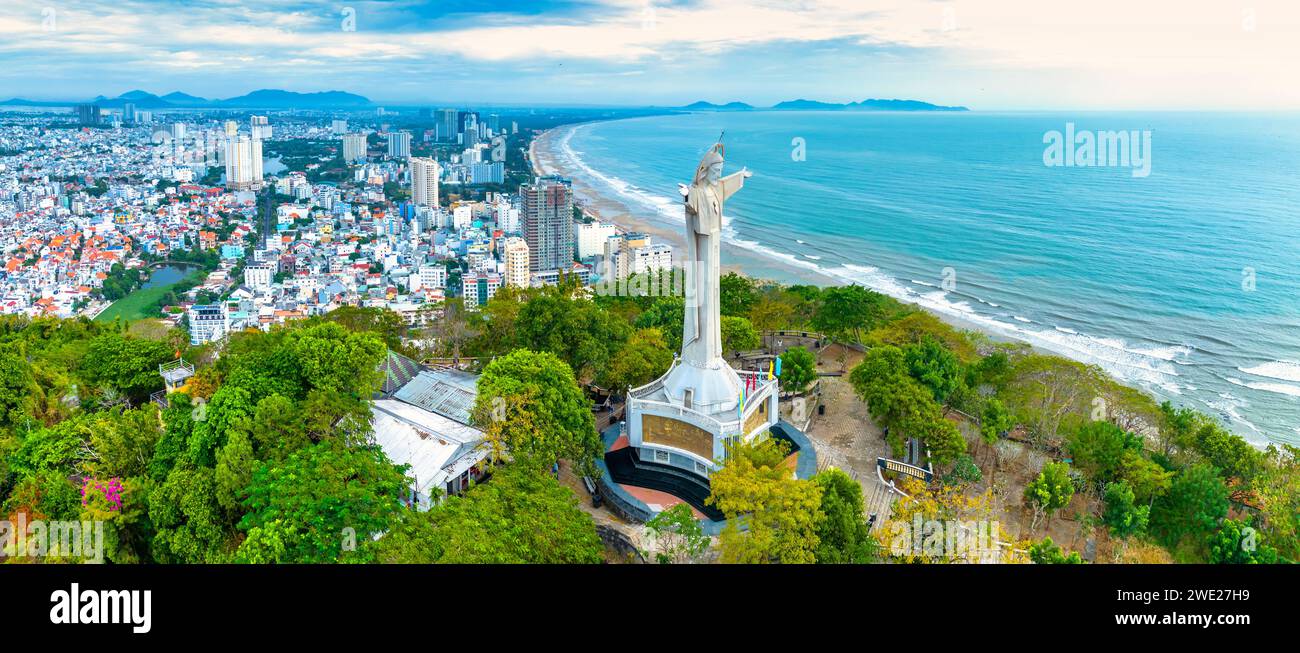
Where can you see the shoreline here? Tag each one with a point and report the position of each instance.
(602, 207)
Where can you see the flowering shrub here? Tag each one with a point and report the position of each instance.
(107, 492)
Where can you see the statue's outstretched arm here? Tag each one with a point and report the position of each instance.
(733, 182)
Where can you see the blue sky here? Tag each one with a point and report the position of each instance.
(987, 54)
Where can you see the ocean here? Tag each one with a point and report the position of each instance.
(1184, 281)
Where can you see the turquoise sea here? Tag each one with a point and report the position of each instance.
(1185, 282)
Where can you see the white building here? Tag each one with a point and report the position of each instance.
(515, 256)
(354, 147)
(592, 237)
(259, 127)
(651, 257)
(339, 127)
(421, 419)
(462, 217)
(424, 181)
(399, 144)
(243, 163)
(208, 323)
(259, 276)
(431, 276)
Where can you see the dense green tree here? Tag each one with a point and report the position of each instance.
(124, 441)
(1191, 510)
(1238, 543)
(1049, 492)
(1123, 515)
(1099, 449)
(127, 365)
(934, 367)
(577, 330)
(738, 334)
(1148, 479)
(234, 470)
(17, 388)
(798, 369)
(644, 358)
(46, 494)
(666, 314)
(848, 311)
(1227, 452)
(189, 522)
(1047, 552)
(843, 535)
(898, 402)
(994, 421)
(737, 294)
(521, 515)
(301, 509)
(530, 405)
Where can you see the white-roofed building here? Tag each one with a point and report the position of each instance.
(444, 455)
(420, 418)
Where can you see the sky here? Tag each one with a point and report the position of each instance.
(985, 54)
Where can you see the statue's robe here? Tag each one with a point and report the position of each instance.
(701, 337)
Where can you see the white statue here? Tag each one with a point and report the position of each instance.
(713, 384)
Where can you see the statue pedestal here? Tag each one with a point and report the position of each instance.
(666, 429)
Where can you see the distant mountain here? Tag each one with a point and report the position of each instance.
(709, 106)
(260, 99)
(277, 99)
(900, 105)
(865, 105)
(807, 105)
(184, 99)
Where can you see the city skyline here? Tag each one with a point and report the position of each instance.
(634, 53)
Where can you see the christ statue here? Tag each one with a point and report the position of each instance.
(702, 335)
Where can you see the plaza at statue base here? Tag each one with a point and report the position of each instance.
(678, 427)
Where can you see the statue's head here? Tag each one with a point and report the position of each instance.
(710, 169)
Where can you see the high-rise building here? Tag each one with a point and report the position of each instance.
(448, 124)
(548, 223)
(424, 181)
(88, 114)
(339, 127)
(243, 163)
(128, 112)
(515, 256)
(178, 131)
(259, 127)
(232, 128)
(399, 144)
(354, 147)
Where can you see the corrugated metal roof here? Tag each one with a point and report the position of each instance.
(436, 448)
(447, 392)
